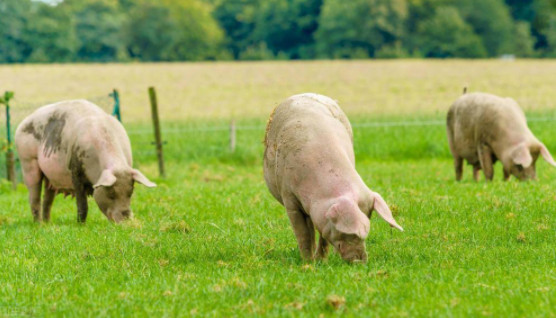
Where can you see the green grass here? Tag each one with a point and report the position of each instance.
(210, 240)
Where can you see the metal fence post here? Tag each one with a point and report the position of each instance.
(10, 159)
(157, 136)
(116, 111)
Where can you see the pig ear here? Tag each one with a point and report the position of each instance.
(546, 155)
(139, 177)
(349, 221)
(107, 179)
(521, 155)
(383, 210)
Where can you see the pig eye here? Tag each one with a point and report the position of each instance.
(111, 194)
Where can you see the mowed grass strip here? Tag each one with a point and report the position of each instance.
(211, 241)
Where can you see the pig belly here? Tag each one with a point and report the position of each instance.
(54, 168)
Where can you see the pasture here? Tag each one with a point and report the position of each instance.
(210, 240)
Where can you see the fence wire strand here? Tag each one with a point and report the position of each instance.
(355, 125)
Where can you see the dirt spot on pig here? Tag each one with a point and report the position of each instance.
(78, 173)
(53, 133)
(30, 129)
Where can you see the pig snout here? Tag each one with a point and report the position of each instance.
(524, 174)
(355, 257)
(352, 254)
(120, 215)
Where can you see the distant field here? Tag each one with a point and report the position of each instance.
(252, 89)
(210, 240)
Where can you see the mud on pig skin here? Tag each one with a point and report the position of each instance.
(74, 147)
(309, 167)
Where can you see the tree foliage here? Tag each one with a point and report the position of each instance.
(176, 30)
(446, 34)
(359, 28)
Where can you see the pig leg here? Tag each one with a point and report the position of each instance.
(322, 249)
(302, 233)
(476, 169)
(80, 197)
(458, 161)
(458, 166)
(311, 228)
(47, 200)
(32, 176)
(485, 158)
(506, 175)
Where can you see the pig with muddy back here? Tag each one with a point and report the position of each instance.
(309, 167)
(76, 148)
(484, 128)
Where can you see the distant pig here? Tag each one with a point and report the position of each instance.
(483, 128)
(309, 167)
(76, 148)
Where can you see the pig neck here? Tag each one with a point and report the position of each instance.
(344, 186)
(107, 152)
(512, 136)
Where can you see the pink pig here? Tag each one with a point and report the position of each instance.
(76, 148)
(309, 167)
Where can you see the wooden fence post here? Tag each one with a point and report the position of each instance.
(10, 159)
(156, 125)
(233, 136)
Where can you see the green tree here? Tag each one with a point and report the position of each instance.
(287, 26)
(551, 38)
(50, 33)
(98, 29)
(14, 16)
(173, 30)
(524, 41)
(539, 14)
(359, 28)
(491, 21)
(446, 34)
(237, 18)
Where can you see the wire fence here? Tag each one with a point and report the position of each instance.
(213, 139)
(371, 124)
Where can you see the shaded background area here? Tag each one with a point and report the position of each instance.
(192, 30)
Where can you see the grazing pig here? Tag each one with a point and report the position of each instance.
(76, 148)
(309, 167)
(483, 128)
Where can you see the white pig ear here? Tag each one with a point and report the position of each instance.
(107, 179)
(521, 155)
(383, 210)
(139, 177)
(349, 220)
(546, 155)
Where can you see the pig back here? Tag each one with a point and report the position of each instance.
(59, 127)
(482, 117)
(297, 128)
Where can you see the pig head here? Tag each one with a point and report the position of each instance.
(112, 192)
(346, 227)
(520, 159)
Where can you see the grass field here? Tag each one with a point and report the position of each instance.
(211, 241)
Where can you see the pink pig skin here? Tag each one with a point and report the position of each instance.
(309, 167)
(483, 128)
(74, 147)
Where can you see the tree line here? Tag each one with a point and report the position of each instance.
(193, 30)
